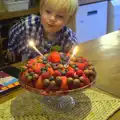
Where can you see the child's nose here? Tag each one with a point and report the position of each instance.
(52, 18)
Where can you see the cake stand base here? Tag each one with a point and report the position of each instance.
(62, 103)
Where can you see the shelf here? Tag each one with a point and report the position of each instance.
(9, 15)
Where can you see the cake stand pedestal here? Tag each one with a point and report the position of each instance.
(62, 103)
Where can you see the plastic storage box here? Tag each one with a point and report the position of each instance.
(113, 16)
(17, 5)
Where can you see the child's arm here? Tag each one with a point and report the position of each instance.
(11, 56)
(14, 38)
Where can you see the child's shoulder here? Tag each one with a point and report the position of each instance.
(32, 19)
(67, 32)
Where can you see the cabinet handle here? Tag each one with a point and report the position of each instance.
(92, 13)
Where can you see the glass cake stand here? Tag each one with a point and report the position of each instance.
(58, 100)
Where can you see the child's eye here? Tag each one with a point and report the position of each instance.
(47, 11)
(60, 16)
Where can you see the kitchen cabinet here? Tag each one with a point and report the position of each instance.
(91, 21)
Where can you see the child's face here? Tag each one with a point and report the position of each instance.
(53, 20)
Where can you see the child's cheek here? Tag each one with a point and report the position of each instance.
(43, 19)
(60, 23)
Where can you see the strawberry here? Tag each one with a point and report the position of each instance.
(45, 75)
(86, 63)
(29, 65)
(31, 61)
(39, 83)
(79, 72)
(81, 66)
(30, 70)
(64, 85)
(70, 74)
(23, 77)
(71, 69)
(57, 73)
(54, 57)
(86, 80)
(37, 67)
(51, 71)
(84, 60)
(68, 54)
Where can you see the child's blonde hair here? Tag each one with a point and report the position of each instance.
(70, 5)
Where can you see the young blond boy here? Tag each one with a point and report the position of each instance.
(47, 30)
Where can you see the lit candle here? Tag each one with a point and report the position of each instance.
(31, 43)
(74, 52)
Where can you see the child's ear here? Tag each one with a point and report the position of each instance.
(69, 20)
(72, 23)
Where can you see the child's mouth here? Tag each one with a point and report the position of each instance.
(50, 25)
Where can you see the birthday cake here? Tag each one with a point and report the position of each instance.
(57, 71)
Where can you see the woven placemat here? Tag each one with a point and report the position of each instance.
(90, 105)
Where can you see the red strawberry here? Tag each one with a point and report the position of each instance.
(64, 85)
(29, 65)
(31, 61)
(39, 83)
(86, 63)
(71, 69)
(54, 57)
(23, 77)
(68, 54)
(37, 67)
(70, 73)
(79, 72)
(81, 66)
(86, 80)
(57, 73)
(30, 70)
(45, 75)
(84, 60)
(51, 71)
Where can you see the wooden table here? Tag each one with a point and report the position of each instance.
(105, 54)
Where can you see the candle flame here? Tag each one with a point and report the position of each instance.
(74, 51)
(32, 44)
